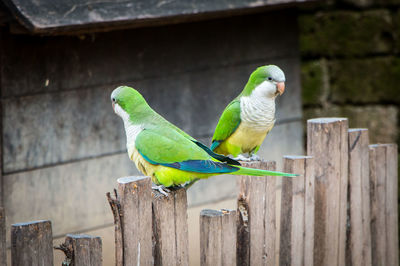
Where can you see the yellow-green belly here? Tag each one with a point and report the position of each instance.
(244, 140)
(162, 175)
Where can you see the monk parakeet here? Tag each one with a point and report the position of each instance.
(166, 153)
(246, 120)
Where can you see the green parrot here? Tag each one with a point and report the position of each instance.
(166, 153)
(248, 119)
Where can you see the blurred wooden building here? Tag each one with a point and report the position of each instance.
(63, 147)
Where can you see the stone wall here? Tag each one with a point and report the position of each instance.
(351, 64)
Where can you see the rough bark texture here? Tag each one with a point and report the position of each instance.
(31, 244)
(327, 142)
(3, 247)
(82, 250)
(359, 232)
(256, 220)
(297, 212)
(170, 229)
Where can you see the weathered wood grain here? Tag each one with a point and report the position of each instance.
(135, 199)
(82, 250)
(297, 212)
(218, 237)
(384, 209)
(170, 229)
(377, 166)
(327, 142)
(210, 238)
(358, 250)
(31, 244)
(92, 15)
(228, 237)
(256, 217)
(392, 221)
(3, 247)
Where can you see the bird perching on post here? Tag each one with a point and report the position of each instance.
(166, 153)
(248, 119)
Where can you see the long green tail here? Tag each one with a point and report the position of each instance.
(258, 172)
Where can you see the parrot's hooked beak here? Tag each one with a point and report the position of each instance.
(281, 87)
(113, 106)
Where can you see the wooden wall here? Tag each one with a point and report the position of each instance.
(61, 137)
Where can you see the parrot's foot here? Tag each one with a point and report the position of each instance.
(163, 190)
(243, 158)
(255, 157)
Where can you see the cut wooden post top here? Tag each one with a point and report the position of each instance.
(326, 120)
(357, 129)
(31, 223)
(129, 179)
(210, 213)
(82, 236)
(296, 157)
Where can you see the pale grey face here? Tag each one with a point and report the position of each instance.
(275, 74)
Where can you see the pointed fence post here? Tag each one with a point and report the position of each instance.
(82, 250)
(359, 232)
(327, 142)
(384, 209)
(32, 243)
(217, 238)
(170, 228)
(297, 212)
(132, 218)
(256, 233)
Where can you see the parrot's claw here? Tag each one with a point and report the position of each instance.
(243, 158)
(255, 157)
(163, 190)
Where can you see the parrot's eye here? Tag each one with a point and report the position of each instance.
(113, 99)
(269, 78)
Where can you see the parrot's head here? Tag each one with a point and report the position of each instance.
(266, 81)
(127, 102)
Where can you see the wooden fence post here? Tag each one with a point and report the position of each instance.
(359, 234)
(327, 142)
(256, 217)
(297, 212)
(82, 250)
(132, 218)
(170, 228)
(32, 244)
(384, 216)
(218, 238)
(3, 253)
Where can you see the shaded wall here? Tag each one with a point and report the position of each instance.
(64, 148)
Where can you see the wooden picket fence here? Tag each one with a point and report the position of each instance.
(341, 210)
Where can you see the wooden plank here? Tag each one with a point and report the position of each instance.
(32, 195)
(297, 212)
(170, 229)
(135, 199)
(210, 238)
(392, 233)
(359, 233)
(228, 237)
(94, 15)
(31, 243)
(3, 247)
(327, 141)
(257, 217)
(82, 250)
(377, 164)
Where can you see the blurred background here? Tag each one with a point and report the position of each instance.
(62, 146)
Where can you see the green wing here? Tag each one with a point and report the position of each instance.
(167, 146)
(227, 124)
